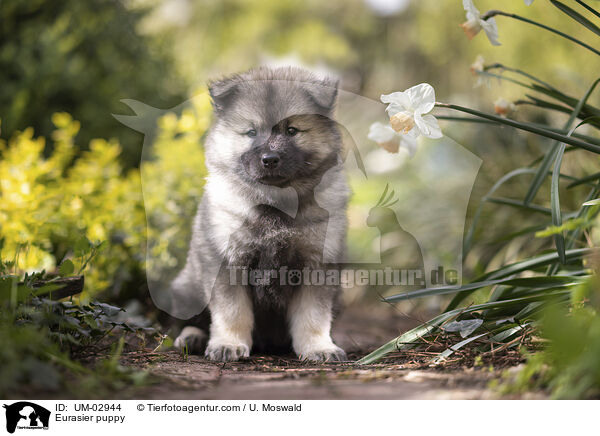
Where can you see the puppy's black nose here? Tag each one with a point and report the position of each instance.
(270, 160)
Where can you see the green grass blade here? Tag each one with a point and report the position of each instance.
(584, 180)
(589, 8)
(567, 99)
(574, 234)
(520, 205)
(424, 329)
(449, 351)
(471, 232)
(526, 127)
(525, 231)
(517, 267)
(406, 338)
(576, 16)
(559, 239)
(476, 120)
(530, 282)
(538, 102)
(503, 68)
(551, 154)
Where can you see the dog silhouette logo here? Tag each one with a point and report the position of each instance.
(26, 415)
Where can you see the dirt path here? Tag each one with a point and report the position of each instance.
(269, 377)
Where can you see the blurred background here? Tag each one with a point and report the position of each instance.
(69, 169)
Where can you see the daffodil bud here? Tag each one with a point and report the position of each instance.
(504, 107)
(477, 66)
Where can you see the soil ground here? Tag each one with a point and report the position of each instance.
(284, 377)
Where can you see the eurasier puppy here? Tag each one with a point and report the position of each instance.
(275, 198)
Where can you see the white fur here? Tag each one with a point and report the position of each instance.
(310, 326)
(231, 326)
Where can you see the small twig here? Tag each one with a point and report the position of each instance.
(69, 286)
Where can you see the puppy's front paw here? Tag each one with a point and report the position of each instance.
(329, 353)
(226, 352)
(191, 339)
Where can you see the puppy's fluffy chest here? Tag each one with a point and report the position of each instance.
(269, 238)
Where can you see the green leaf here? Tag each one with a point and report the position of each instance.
(589, 8)
(554, 149)
(507, 333)
(573, 235)
(46, 289)
(559, 239)
(530, 282)
(567, 99)
(546, 104)
(66, 268)
(515, 268)
(449, 351)
(576, 16)
(526, 230)
(571, 224)
(593, 202)
(584, 180)
(418, 332)
(471, 232)
(526, 127)
(82, 247)
(520, 204)
(476, 120)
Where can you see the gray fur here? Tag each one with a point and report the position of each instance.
(268, 218)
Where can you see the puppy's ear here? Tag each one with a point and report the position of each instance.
(323, 93)
(223, 93)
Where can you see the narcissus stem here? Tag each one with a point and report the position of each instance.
(526, 127)
(493, 13)
(517, 71)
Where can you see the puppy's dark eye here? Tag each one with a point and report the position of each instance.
(251, 133)
(291, 131)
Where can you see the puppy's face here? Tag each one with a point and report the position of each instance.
(273, 127)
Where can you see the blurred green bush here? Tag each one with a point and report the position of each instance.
(48, 203)
(82, 58)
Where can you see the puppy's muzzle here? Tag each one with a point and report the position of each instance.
(270, 160)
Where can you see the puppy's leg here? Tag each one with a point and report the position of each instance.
(191, 339)
(232, 320)
(310, 316)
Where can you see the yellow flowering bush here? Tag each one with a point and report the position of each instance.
(51, 197)
(173, 180)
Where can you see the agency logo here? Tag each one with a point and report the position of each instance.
(26, 415)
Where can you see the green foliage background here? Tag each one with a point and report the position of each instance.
(68, 169)
(81, 58)
(60, 183)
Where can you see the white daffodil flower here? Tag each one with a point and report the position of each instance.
(407, 111)
(474, 23)
(390, 140)
(504, 107)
